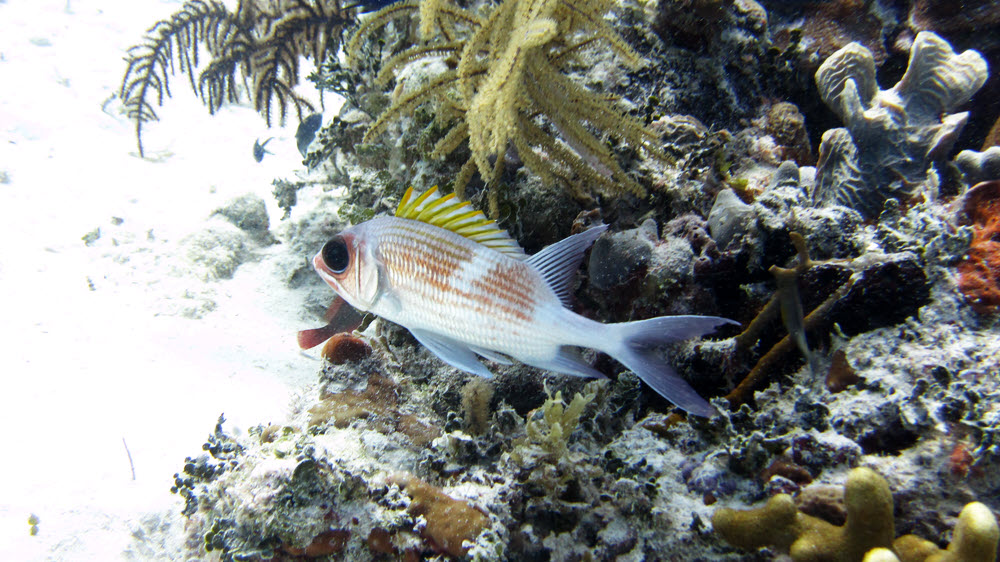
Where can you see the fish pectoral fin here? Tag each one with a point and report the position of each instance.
(491, 355)
(452, 352)
(569, 362)
(557, 263)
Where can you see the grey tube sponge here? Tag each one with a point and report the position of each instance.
(891, 136)
(979, 166)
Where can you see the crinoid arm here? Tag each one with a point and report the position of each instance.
(259, 46)
(170, 42)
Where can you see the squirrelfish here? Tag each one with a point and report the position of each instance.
(465, 289)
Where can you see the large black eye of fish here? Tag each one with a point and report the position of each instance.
(335, 255)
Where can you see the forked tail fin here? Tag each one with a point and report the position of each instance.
(636, 349)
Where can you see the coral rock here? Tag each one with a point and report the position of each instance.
(895, 134)
(729, 219)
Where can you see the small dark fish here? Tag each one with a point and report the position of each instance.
(259, 149)
(306, 132)
(370, 5)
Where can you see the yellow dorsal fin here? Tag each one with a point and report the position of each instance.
(450, 213)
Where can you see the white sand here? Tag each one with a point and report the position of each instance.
(84, 369)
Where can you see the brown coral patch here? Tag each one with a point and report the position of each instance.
(788, 470)
(692, 24)
(450, 522)
(979, 271)
(841, 375)
(378, 405)
(942, 16)
(380, 541)
(787, 126)
(325, 544)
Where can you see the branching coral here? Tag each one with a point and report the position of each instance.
(891, 136)
(506, 85)
(258, 47)
(869, 527)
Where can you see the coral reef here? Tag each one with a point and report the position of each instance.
(859, 344)
(892, 136)
(259, 44)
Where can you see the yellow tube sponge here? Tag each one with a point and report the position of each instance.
(880, 555)
(976, 537)
(779, 524)
(869, 525)
(775, 524)
(866, 536)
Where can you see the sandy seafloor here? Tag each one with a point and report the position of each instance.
(84, 368)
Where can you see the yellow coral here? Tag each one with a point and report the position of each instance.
(866, 536)
(507, 87)
(869, 524)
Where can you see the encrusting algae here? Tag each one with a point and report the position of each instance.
(450, 522)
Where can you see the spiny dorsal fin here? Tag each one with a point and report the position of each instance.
(450, 213)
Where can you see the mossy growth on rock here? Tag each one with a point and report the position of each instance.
(867, 534)
(549, 427)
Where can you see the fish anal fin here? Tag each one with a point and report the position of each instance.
(491, 355)
(569, 362)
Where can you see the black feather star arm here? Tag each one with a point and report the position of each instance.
(168, 44)
(258, 49)
(305, 29)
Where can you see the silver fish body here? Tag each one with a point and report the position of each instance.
(461, 299)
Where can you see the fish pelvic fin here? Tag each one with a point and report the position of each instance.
(636, 349)
(453, 352)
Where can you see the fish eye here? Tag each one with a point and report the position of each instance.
(335, 255)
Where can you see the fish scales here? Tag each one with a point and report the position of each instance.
(452, 285)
